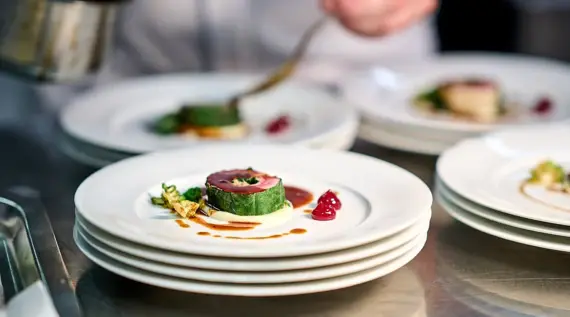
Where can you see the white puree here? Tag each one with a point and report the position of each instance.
(270, 220)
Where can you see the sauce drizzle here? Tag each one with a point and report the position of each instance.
(298, 196)
(522, 190)
(182, 224)
(218, 227)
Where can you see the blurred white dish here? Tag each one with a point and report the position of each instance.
(395, 140)
(490, 171)
(117, 116)
(500, 217)
(385, 94)
(502, 231)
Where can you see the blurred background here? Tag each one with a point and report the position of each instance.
(148, 37)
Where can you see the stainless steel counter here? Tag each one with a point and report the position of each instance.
(460, 272)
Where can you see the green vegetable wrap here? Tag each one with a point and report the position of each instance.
(245, 192)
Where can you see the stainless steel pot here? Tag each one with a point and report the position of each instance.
(55, 40)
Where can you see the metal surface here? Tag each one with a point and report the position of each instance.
(30, 251)
(54, 40)
(460, 272)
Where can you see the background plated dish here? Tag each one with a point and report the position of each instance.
(385, 96)
(490, 170)
(118, 117)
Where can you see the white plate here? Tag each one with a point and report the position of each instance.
(489, 170)
(385, 94)
(117, 117)
(256, 265)
(504, 232)
(379, 199)
(274, 277)
(393, 140)
(500, 217)
(245, 290)
(341, 140)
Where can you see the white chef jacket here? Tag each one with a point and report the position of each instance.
(163, 36)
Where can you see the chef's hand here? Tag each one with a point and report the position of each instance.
(378, 17)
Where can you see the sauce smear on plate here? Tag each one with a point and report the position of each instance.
(298, 196)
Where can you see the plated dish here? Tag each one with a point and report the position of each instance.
(243, 199)
(174, 111)
(213, 121)
(474, 100)
(289, 204)
(521, 172)
(467, 94)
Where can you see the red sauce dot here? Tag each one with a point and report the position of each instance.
(543, 106)
(278, 125)
(329, 198)
(323, 213)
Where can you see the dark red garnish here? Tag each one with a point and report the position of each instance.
(329, 198)
(543, 106)
(323, 213)
(278, 125)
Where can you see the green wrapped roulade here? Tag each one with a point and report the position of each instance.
(245, 192)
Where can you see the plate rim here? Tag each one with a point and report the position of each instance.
(408, 233)
(504, 233)
(239, 277)
(280, 290)
(521, 223)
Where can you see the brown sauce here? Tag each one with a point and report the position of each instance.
(217, 236)
(245, 223)
(255, 238)
(298, 231)
(308, 211)
(298, 196)
(229, 227)
(203, 233)
(182, 224)
(522, 190)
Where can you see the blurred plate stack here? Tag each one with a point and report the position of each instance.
(112, 123)
(385, 98)
(512, 184)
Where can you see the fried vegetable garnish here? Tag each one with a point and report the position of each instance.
(548, 173)
(171, 199)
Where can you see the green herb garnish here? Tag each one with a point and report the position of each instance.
(193, 194)
(434, 98)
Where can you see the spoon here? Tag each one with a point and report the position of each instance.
(286, 69)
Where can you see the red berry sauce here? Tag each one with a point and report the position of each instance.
(543, 106)
(331, 199)
(327, 206)
(323, 213)
(278, 125)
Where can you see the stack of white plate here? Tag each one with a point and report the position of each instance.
(381, 226)
(480, 184)
(111, 123)
(384, 98)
